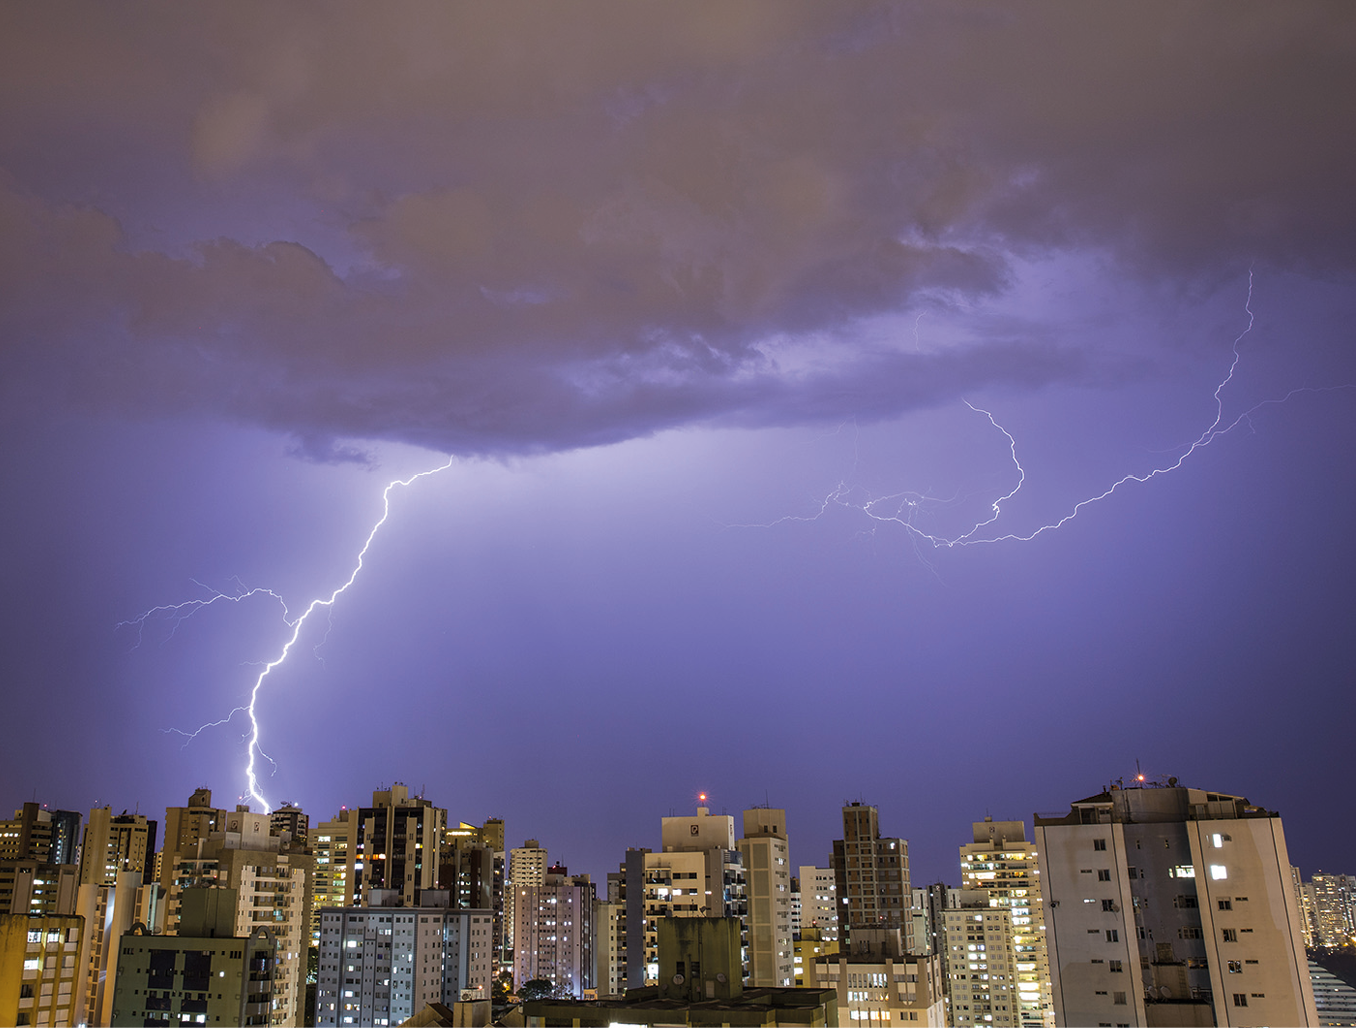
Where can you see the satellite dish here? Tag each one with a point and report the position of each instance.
(678, 979)
(720, 977)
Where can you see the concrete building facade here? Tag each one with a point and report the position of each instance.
(396, 845)
(206, 974)
(381, 965)
(553, 933)
(879, 984)
(981, 967)
(767, 876)
(41, 969)
(271, 881)
(699, 873)
(1168, 905)
(871, 873)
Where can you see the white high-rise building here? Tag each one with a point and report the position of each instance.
(1172, 906)
(1002, 864)
(767, 876)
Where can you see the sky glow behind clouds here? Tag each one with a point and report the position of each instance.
(649, 271)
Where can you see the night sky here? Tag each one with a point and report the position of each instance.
(706, 304)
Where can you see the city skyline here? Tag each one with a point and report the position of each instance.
(932, 854)
(732, 335)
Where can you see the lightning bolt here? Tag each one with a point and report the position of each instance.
(179, 612)
(903, 508)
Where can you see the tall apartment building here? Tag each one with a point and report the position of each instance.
(553, 933)
(1002, 864)
(36, 833)
(271, 881)
(526, 866)
(41, 969)
(115, 844)
(1334, 916)
(466, 868)
(609, 956)
(332, 879)
(109, 909)
(819, 901)
(294, 821)
(207, 974)
(184, 827)
(381, 965)
(396, 845)
(982, 975)
(871, 873)
(1171, 906)
(698, 873)
(37, 887)
(767, 876)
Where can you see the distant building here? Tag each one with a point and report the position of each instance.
(294, 821)
(526, 866)
(396, 845)
(767, 878)
(878, 983)
(807, 949)
(699, 981)
(37, 887)
(871, 873)
(114, 844)
(41, 969)
(1334, 916)
(382, 964)
(332, 882)
(466, 868)
(609, 958)
(36, 833)
(819, 901)
(983, 968)
(1172, 906)
(207, 974)
(553, 933)
(1002, 864)
(1334, 999)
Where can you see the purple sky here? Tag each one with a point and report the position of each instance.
(657, 275)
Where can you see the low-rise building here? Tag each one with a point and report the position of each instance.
(204, 975)
(878, 983)
(700, 982)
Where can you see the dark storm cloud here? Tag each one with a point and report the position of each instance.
(533, 227)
